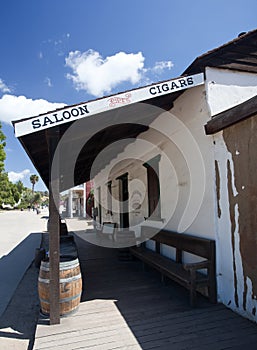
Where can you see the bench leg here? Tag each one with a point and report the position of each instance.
(212, 294)
(192, 296)
(164, 279)
(145, 267)
(193, 288)
(212, 287)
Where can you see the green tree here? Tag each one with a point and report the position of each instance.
(6, 190)
(16, 196)
(9, 192)
(2, 151)
(33, 179)
(36, 198)
(20, 186)
(29, 199)
(26, 198)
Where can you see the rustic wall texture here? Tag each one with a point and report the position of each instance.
(241, 141)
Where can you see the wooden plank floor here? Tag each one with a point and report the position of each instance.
(123, 307)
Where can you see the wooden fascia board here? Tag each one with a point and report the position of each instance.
(231, 116)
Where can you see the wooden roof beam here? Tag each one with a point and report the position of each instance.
(231, 116)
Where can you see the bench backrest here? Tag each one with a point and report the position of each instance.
(109, 227)
(202, 247)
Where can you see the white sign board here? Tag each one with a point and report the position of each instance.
(68, 114)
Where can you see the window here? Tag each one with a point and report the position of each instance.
(99, 205)
(153, 188)
(109, 197)
(124, 197)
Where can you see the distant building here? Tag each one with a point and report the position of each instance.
(77, 203)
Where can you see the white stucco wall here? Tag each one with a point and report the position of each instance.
(187, 175)
(186, 170)
(227, 88)
(195, 212)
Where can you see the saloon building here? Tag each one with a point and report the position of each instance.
(179, 155)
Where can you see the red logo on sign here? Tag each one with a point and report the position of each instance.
(114, 101)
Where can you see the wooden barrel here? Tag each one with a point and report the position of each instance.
(70, 286)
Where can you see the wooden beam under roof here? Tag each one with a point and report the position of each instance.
(232, 116)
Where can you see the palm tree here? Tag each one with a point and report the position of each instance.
(33, 179)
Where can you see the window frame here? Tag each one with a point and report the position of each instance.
(153, 188)
(109, 197)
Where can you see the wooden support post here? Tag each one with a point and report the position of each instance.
(54, 228)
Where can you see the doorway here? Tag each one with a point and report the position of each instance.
(124, 196)
(99, 206)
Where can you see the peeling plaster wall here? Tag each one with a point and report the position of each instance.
(236, 194)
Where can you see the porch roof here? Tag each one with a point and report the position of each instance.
(239, 54)
(85, 129)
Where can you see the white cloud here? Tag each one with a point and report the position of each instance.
(18, 107)
(3, 87)
(48, 82)
(159, 67)
(96, 75)
(14, 177)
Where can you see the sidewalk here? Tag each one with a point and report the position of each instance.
(20, 235)
(18, 322)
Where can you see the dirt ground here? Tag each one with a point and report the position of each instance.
(18, 322)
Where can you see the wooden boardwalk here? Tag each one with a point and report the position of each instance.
(123, 307)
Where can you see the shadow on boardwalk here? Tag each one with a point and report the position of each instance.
(123, 307)
(159, 316)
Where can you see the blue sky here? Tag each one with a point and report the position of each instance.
(57, 52)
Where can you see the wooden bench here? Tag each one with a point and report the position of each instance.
(186, 274)
(107, 230)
